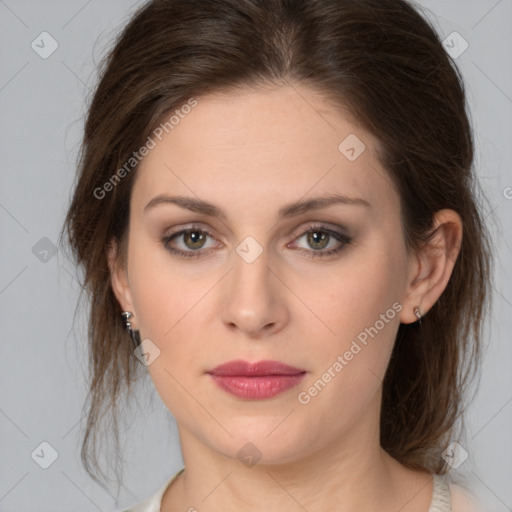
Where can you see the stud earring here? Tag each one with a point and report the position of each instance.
(134, 335)
(418, 314)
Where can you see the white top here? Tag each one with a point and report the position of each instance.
(444, 495)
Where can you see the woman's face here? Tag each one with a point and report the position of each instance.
(251, 284)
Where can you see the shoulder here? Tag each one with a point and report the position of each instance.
(149, 505)
(152, 504)
(462, 500)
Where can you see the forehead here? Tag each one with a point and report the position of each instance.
(275, 144)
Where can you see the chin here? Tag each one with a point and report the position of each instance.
(262, 443)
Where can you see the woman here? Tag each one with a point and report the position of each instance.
(277, 219)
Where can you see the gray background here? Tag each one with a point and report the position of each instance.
(42, 103)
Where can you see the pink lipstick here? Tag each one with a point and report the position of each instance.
(256, 381)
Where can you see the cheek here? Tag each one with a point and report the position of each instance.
(161, 296)
(356, 292)
(360, 305)
(166, 301)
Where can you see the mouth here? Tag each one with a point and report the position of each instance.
(256, 381)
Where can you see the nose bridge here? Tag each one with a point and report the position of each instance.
(253, 301)
(250, 277)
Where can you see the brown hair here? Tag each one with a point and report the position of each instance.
(384, 62)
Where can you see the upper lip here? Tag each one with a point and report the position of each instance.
(245, 368)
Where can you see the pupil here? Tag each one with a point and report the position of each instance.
(319, 238)
(196, 237)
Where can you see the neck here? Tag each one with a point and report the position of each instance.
(351, 473)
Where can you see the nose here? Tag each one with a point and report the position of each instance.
(254, 299)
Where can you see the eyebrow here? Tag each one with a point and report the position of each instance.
(291, 210)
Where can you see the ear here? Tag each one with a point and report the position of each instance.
(432, 266)
(119, 277)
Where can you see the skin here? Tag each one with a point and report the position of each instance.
(250, 153)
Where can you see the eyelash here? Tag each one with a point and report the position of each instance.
(340, 237)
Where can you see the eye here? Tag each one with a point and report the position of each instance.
(320, 238)
(193, 242)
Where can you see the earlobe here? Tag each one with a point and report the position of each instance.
(434, 265)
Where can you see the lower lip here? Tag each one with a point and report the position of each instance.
(257, 388)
